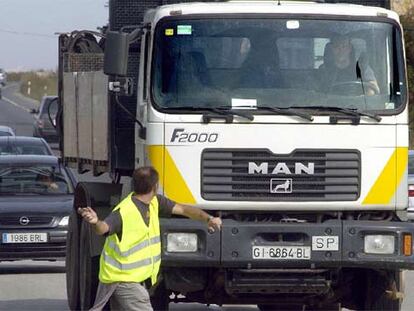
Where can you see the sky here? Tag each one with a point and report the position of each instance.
(28, 27)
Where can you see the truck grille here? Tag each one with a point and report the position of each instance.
(303, 175)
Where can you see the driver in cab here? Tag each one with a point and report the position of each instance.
(341, 68)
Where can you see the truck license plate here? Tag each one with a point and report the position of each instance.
(281, 252)
(325, 243)
(24, 238)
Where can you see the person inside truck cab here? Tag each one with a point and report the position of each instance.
(342, 70)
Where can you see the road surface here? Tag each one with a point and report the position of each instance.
(39, 286)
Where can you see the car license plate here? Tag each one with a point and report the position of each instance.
(24, 237)
(282, 252)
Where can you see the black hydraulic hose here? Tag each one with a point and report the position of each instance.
(142, 131)
(87, 39)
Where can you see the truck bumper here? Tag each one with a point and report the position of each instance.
(233, 246)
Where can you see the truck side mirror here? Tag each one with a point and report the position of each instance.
(116, 53)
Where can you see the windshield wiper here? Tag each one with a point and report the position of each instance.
(30, 193)
(6, 193)
(221, 110)
(287, 111)
(229, 110)
(347, 111)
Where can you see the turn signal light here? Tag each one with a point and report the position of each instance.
(408, 244)
(411, 190)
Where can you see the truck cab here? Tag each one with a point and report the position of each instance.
(289, 121)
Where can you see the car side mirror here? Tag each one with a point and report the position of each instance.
(52, 118)
(34, 111)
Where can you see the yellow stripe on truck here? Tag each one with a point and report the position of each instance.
(386, 184)
(171, 179)
(156, 156)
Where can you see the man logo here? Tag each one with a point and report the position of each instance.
(281, 185)
(281, 168)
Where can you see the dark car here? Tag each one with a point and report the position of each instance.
(45, 119)
(6, 131)
(24, 145)
(36, 198)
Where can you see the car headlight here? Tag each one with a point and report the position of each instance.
(182, 242)
(64, 222)
(379, 244)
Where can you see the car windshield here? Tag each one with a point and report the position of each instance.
(33, 179)
(2, 133)
(278, 63)
(28, 148)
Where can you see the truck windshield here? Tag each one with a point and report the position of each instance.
(277, 63)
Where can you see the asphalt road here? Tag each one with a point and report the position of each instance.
(15, 111)
(29, 285)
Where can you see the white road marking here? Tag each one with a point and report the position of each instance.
(16, 104)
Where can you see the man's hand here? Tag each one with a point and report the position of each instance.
(53, 186)
(372, 88)
(89, 215)
(214, 224)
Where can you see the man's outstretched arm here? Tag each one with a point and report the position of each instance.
(214, 223)
(90, 216)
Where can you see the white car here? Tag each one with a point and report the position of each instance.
(6, 131)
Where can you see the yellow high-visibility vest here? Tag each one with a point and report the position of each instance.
(137, 256)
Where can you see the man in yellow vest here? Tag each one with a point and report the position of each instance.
(131, 256)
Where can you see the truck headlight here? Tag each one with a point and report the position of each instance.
(64, 222)
(379, 244)
(182, 242)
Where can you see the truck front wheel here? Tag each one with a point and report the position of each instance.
(89, 268)
(72, 262)
(384, 291)
(159, 297)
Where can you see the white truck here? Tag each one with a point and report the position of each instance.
(245, 110)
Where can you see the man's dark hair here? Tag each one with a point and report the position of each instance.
(341, 38)
(144, 179)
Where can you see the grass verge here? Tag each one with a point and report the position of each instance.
(35, 84)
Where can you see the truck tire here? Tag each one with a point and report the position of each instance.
(327, 307)
(330, 307)
(278, 307)
(379, 286)
(159, 297)
(262, 307)
(88, 271)
(83, 275)
(72, 262)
